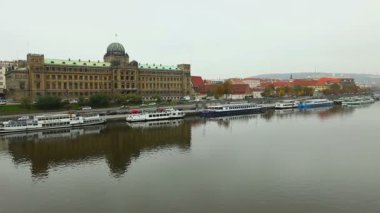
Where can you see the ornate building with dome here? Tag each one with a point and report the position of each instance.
(114, 75)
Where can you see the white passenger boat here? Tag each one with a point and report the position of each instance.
(287, 104)
(53, 121)
(312, 103)
(161, 114)
(357, 101)
(231, 109)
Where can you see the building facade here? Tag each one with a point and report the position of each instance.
(2, 79)
(116, 74)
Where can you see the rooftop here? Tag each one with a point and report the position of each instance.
(89, 63)
(157, 66)
(81, 63)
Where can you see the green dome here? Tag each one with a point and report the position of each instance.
(115, 49)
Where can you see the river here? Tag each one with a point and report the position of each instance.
(321, 160)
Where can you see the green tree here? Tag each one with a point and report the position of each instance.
(99, 100)
(227, 87)
(157, 98)
(298, 90)
(26, 103)
(48, 102)
(335, 88)
(120, 99)
(219, 92)
(268, 91)
(82, 101)
(133, 98)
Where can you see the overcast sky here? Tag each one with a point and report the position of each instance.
(218, 38)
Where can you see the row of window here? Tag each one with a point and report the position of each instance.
(56, 124)
(160, 79)
(127, 78)
(161, 92)
(72, 94)
(75, 85)
(126, 72)
(75, 77)
(73, 69)
(160, 86)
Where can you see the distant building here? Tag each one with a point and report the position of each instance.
(2, 80)
(115, 75)
(317, 84)
(198, 84)
(252, 82)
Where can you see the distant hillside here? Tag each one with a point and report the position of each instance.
(359, 78)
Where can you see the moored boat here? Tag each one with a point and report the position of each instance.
(286, 104)
(231, 109)
(312, 103)
(160, 114)
(50, 121)
(357, 101)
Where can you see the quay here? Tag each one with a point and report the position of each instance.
(117, 114)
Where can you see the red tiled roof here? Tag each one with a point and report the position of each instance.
(197, 81)
(330, 80)
(304, 82)
(239, 88)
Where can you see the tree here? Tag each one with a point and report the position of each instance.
(280, 91)
(157, 98)
(99, 100)
(268, 91)
(227, 87)
(335, 88)
(26, 103)
(133, 98)
(209, 93)
(82, 101)
(120, 99)
(219, 91)
(308, 91)
(298, 90)
(48, 102)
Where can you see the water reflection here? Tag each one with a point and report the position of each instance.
(156, 124)
(226, 120)
(118, 144)
(322, 112)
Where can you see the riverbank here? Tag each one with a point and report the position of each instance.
(118, 113)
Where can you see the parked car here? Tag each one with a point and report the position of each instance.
(124, 107)
(73, 101)
(111, 112)
(86, 108)
(3, 102)
(185, 98)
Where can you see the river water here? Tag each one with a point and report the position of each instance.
(322, 160)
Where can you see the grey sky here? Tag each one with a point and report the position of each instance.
(218, 38)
